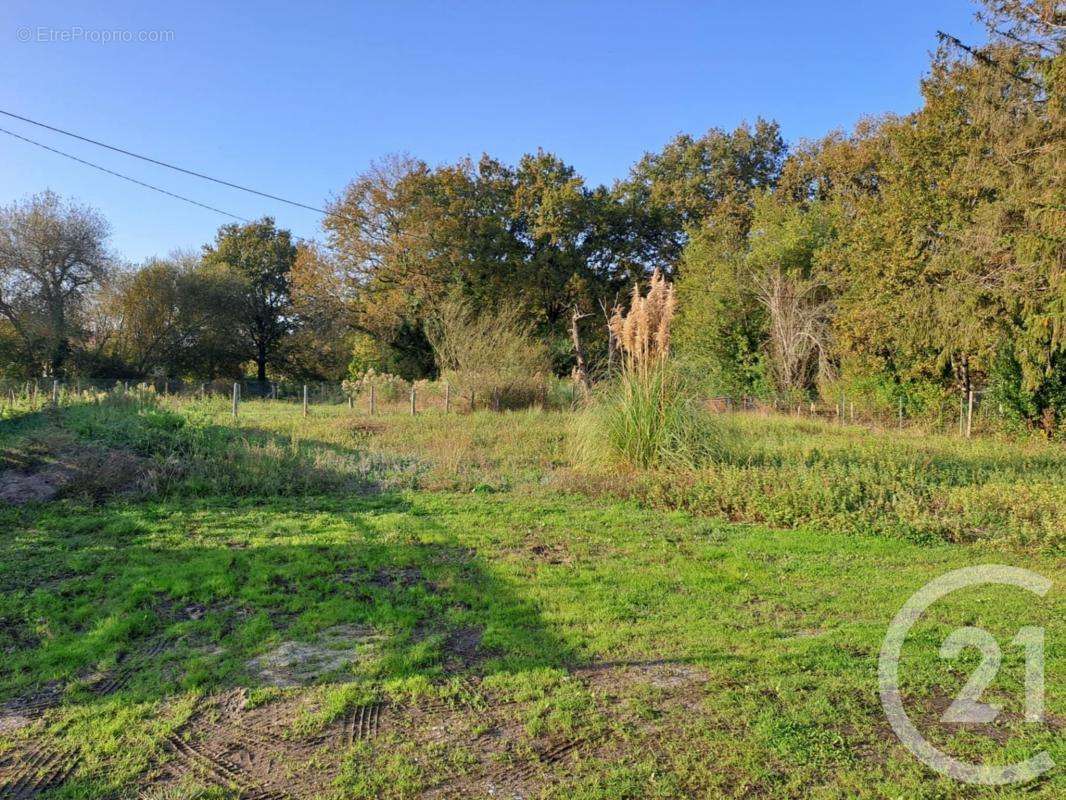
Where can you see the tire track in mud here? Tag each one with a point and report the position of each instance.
(40, 770)
(250, 750)
(221, 771)
(119, 678)
(552, 753)
(362, 723)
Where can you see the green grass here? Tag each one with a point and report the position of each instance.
(689, 656)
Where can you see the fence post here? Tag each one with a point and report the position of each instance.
(962, 414)
(447, 398)
(412, 399)
(55, 393)
(236, 398)
(305, 399)
(349, 402)
(969, 415)
(901, 413)
(373, 401)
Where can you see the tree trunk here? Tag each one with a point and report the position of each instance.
(580, 369)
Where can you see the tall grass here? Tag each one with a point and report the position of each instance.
(644, 420)
(647, 416)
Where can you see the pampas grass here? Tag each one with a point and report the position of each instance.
(645, 420)
(647, 417)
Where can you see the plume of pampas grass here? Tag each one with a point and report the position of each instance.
(643, 335)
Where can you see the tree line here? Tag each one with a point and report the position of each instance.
(912, 257)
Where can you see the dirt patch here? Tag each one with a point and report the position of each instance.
(19, 488)
(662, 674)
(553, 553)
(397, 577)
(296, 663)
(463, 651)
(1007, 725)
(22, 711)
(229, 744)
(51, 468)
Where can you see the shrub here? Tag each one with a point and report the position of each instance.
(489, 358)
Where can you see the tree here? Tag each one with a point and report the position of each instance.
(52, 253)
(320, 344)
(698, 182)
(259, 257)
(535, 234)
(782, 259)
(173, 317)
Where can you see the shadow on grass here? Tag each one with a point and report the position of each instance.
(141, 602)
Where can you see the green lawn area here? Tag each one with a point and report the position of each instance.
(345, 606)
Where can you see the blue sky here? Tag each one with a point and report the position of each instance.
(297, 98)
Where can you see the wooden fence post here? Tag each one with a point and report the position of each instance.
(373, 401)
(55, 394)
(305, 399)
(236, 398)
(962, 414)
(349, 402)
(412, 399)
(901, 413)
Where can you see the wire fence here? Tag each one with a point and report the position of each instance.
(387, 395)
(971, 414)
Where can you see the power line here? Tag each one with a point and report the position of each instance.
(168, 165)
(124, 177)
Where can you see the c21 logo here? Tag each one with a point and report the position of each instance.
(968, 706)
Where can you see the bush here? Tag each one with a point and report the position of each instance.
(387, 388)
(489, 359)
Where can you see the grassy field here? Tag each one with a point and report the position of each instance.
(445, 606)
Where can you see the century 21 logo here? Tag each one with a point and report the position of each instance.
(968, 707)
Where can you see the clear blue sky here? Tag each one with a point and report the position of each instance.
(297, 98)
